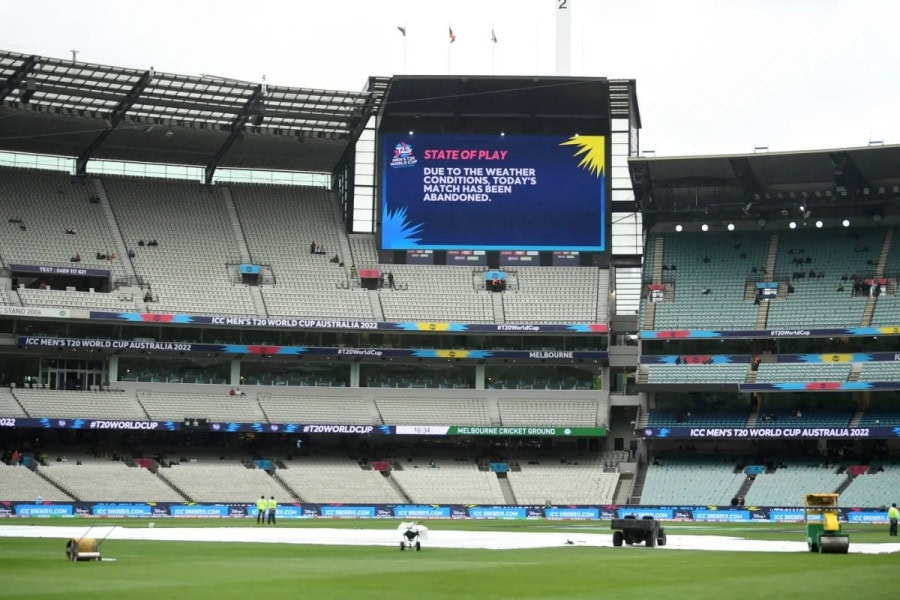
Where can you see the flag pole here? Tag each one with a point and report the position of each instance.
(493, 47)
(449, 47)
(405, 70)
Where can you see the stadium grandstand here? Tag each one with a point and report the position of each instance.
(212, 290)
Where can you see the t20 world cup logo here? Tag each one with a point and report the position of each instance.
(403, 155)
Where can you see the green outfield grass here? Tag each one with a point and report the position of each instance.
(37, 569)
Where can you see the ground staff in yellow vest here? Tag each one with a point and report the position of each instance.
(272, 506)
(261, 506)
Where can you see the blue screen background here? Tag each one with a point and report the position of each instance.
(565, 210)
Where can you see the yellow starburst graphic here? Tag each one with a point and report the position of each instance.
(593, 147)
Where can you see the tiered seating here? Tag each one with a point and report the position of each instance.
(873, 489)
(659, 417)
(450, 484)
(880, 417)
(544, 411)
(686, 481)
(687, 374)
(280, 378)
(79, 405)
(336, 480)
(8, 405)
(558, 295)
(119, 301)
(815, 303)
(433, 411)
(435, 293)
(204, 481)
(165, 406)
(95, 481)
(787, 486)
(280, 223)
(880, 371)
(539, 383)
(781, 372)
(18, 483)
(187, 271)
(48, 204)
(813, 419)
(887, 308)
(305, 409)
(725, 275)
(362, 246)
(560, 484)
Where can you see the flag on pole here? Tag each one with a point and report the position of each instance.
(452, 35)
(493, 36)
(402, 30)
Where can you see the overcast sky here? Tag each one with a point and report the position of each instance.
(713, 76)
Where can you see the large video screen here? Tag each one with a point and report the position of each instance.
(515, 192)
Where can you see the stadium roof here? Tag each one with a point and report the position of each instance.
(844, 182)
(55, 106)
(513, 104)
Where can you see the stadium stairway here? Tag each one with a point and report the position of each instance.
(375, 303)
(624, 488)
(497, 305)
(6, 285)
(259, 301)
(236, 224)
(168, 482)
(745, 487)
(659, 246)
(845, 484)
(398, 487)
(508, 496)
(885, 253)
(638, 487)
(37, 471)
(286, 487)
(772, 256)
(121, 247)
(346, 255)
(648, 320)
(868, 312)
(762, 315)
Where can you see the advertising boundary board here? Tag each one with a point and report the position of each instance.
(787, 332)
(301, 428)
(691, 513)
(761, 432)
(342, 324)
(99, 344)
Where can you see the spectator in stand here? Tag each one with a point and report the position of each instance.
(840, 287)
(390, 277)
(312, 248)
(141, 243)
(76, 258)
(706, 291)
(131, 254)
(70, 231)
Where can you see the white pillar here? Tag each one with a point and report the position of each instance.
(354, 374)
(112, 369)
(235, 378)
(563, 37)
